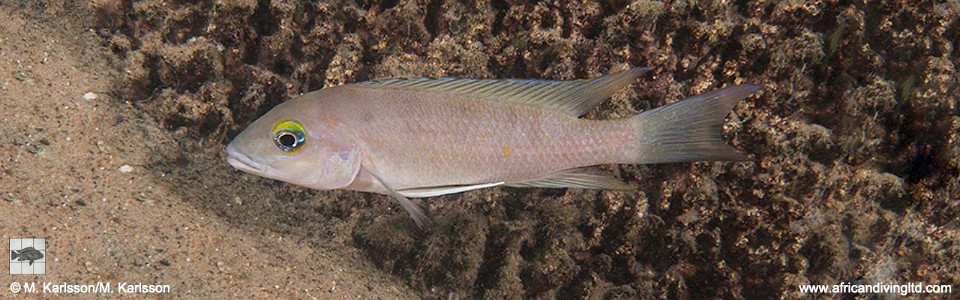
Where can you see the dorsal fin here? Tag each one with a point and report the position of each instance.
(574, 97)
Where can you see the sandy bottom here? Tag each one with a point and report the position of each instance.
(61, 180)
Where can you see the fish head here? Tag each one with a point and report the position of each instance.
(292, 143)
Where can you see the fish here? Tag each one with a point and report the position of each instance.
(425, 137)
(29, 254)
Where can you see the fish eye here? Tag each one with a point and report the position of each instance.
(289, 136)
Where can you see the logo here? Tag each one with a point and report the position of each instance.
(27, 256)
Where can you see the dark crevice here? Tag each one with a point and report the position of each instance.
(501, 7)
(434, 18)
(388, 4)
(264, 19)
(489, 271)
(210, 123)
(743, 7)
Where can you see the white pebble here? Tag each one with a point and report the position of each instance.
(125, 169)
(89, 96)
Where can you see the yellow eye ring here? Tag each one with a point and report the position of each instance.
(289, 136)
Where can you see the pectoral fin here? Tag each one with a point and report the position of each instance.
(580, 178)
(415, 212)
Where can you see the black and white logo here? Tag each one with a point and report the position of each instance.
(28, 256)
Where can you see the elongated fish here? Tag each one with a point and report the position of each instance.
(426, 137)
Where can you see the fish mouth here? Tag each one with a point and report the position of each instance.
(241, 161)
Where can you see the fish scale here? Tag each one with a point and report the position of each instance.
(540, 141)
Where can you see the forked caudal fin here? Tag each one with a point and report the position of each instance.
(690, 130)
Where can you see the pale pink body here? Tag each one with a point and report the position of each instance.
(416, 139)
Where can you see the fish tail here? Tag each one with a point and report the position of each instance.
(689, 130)
(14, 255)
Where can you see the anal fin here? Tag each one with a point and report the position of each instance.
(579, 178)
(443, 190)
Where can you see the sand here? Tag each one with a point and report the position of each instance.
(116, 115)
(61, 180)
